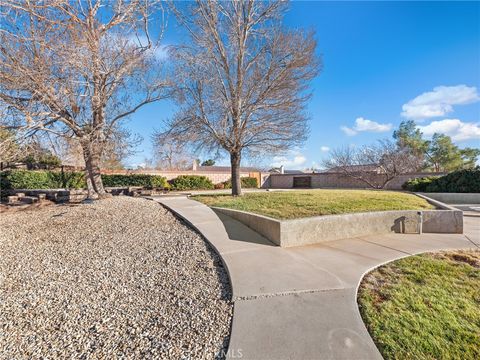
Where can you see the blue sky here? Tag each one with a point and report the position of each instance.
(383, 62)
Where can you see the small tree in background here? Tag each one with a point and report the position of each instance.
(366, 163)
(209, 162)
(439, 153)
(172, 151)
(242, 80)
(77, 68)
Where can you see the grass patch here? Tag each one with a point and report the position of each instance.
(425, 306)
(299, 204)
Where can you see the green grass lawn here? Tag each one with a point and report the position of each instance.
(306, 203)
(425, 307)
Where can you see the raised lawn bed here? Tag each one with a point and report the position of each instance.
(284, 205)
(292, 218)
(425, 306)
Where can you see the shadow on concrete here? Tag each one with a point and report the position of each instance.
(399, 225)
(239, 232)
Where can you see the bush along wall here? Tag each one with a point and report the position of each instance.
(191, 182)
(247, 183)
(25, 179)
(462, 181)
(418, 184)
(147, 181)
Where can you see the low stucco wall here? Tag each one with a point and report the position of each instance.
(314, 230)
(455, 198)
(341, 181)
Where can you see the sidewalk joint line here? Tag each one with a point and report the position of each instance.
(285, 293)
(387, 247)
(473, 242)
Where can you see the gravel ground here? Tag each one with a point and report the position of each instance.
(119, 278)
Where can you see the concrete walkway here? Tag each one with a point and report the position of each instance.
(300, 303)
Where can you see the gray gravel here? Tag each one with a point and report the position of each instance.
(119, 278)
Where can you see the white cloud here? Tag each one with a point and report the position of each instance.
(348, 131)
(325, 149)
(293, 159)
(439, 102)
(455, 128)
(362, 124)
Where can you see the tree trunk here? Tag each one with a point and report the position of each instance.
(235, 158)
(91, 155)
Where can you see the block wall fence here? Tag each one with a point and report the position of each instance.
(215, 177)
(339, 180)
(283, 181)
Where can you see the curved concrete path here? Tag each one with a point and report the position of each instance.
(300, 303)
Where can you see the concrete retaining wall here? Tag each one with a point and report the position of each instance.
(455, 198)
(314, 230)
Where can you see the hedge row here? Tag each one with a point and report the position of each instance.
(462, 181)
(147, 181)
(25, 179)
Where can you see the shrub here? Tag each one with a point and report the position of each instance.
(43, 161)
(191, 182)
(147, 181)
(26, 179)
(247, 182)
(418, 184)
(67, 180)
(220, 186)
(462, 181)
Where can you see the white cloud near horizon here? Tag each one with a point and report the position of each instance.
(294, 158)
(455, 128)
(365, 125)
(324, 149)
(439, 101)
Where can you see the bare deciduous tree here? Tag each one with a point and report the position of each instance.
(374, 165)
(242, 80)
(75, 68)
(120, 144)
(172, 152)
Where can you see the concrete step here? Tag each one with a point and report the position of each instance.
(12, 199)
(28, 199)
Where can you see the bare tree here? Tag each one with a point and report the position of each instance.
(120, 144)
(375, 165)
(172, 151)
(242, 79)
(76, 68)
